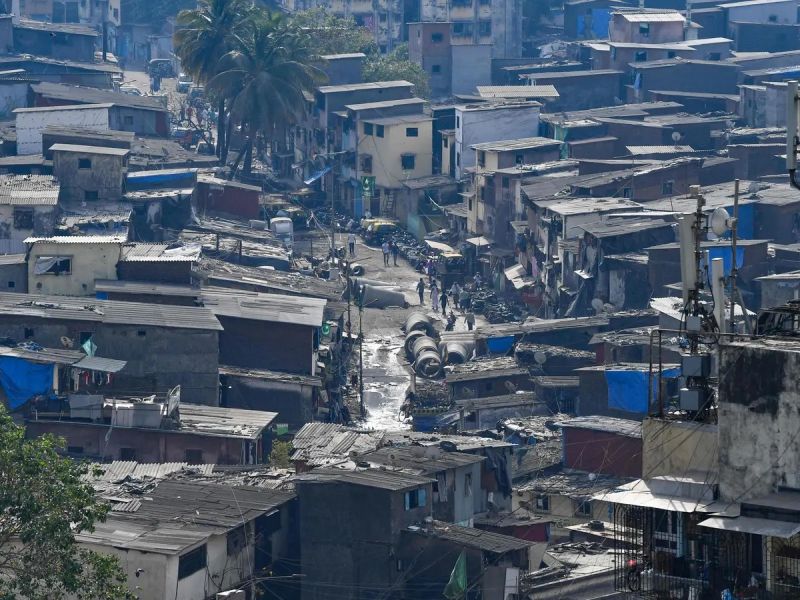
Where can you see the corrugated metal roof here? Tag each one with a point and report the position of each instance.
(326, 443)
(78, 239)
(624, 427)
(44, 355)
(384, 104)
(145, 288)
(63, 107)
(658, 149)
(376, 478)
(518, 91)
(88, 95)
(160, 253)
(83, 149)
(277, 308)
(97, 363)
(31, 190)
(420, 460)
(68, 28)
(107, 311)
(472, 537)
(223, 421)
(671, 16)
(518, 144)
(355, 87)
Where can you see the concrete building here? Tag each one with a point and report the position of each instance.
(760, 11)
(55, 40)
(164, 346)
(453, 65)
(350, 527)
(28, 207)
(646, 26)
(31, 122)
(480, 123)
(90, 173)
(69, 265)
(166, 551)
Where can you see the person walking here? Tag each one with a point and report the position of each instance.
(385, 248)
(351, 243)
(395, 251)
(421, 291)
(435, 297)
(470, 319)
(463, 299)
(455, 291)
(443, 302)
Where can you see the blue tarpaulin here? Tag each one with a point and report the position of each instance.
(500, 345)
(724, 253)
(22, 380)
(627, 390)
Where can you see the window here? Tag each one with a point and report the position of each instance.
(506, 183)
(468, 484)
(484, 28)
(367, 128)
(543, 503)
(407, 161)
(519, 159)
(415, 499)
(87, 195)
(481, 158)
(128, 121)
(412, 132)
(379, 130)
(773, 18)
(671, 54)
(192, 562)
(127, 454)
(194, 456)
(116, 13)
(458, 159)
(626, 192)
(237, 540)
(644, 29)
(666, 188)
(84, 163)
(437, 38)
(640, 56)
(366, 163)
(470, 203)
(53, 265)
(12, 285)
(382, 17)
(75, 449)
(583, 508)
(141, 333)
(436, 68)
(445, 142)
(714, 56)
(23, 218)
(28, 333)
(458, 122)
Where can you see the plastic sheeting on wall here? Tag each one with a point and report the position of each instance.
(627, 390)
(724, 253)
(22, 380)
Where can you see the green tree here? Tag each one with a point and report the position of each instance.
(265, 77)
(44, 502)
(396, 65)
(205, 34)
(279, 457)
(335, 35)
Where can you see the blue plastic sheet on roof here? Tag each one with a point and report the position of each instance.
(22, 380)
(627, 390)
(500, 345)
(724, 253)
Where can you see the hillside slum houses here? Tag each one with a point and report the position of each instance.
(277, 399)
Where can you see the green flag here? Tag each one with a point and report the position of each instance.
(456, 588)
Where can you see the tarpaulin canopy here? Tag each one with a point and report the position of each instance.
(22, 380)
(768, 527)
(627, 389)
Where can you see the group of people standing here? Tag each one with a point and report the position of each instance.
(457, 296)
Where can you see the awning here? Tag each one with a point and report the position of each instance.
(96, 363)
(440, 246)
(479, 241)
(768, 527)
(317, 175)
(518, 277)
(638, 493)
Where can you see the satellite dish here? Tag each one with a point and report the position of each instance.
(540, 357)
(597, 305)
(753, 188)
(720, 221)
(676, 137)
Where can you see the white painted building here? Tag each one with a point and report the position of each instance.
(30, 122)
(491, 122)
(761, 11)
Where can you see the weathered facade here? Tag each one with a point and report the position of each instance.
(89, 173)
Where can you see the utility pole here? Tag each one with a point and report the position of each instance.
(734, 263)
(361, 352)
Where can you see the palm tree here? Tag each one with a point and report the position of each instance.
(266, 76)
(204, 35)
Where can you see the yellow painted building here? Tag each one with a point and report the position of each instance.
(69, 265)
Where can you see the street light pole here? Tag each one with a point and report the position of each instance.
(361, 352)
